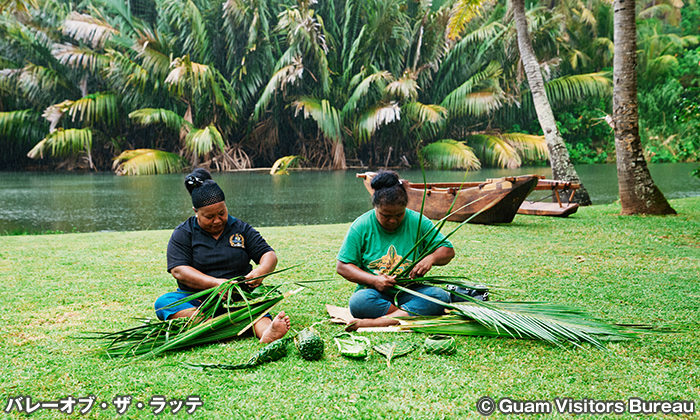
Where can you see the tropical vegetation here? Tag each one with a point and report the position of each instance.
(152, 86)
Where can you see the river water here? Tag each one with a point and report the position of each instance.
(80, 202)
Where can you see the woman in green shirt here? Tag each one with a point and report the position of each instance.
(374, 244)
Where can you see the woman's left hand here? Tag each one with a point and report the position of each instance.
(255, 282)
(441, 256)
(421, 268)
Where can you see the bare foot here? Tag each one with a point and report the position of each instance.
(354, 324)
(277, 329)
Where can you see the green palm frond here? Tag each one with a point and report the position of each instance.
(88, 29)
(286, 76)
(556, 324)
(39, 82)
(495, 150)
(375, 117)
(170, 119)
(190, 24)
(125, 74)
(529, 146)
(429, 118)
(63, 143)
(464, 102)
(572, 88)
(93, 108)
(20, 124)
(461, 14)
(148, 162)
(154, 55)
(187, 76)
(450, 154)
(362, 90)
(282, 164)
(325, 115)
(426, 113)
(76, 57)
(404, 89)
(205, 140)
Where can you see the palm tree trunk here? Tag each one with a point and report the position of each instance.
(638, 193)
(562, 168)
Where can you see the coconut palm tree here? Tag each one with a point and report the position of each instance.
(638, 193)
(562, 168)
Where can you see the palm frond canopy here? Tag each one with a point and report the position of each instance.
(170, 119)
(325, 115)
(506, 150)
(375, 117)
(429, 118)
(463, 101)
(284, 77)
(88, 29)
(461, 14)
(450, 154)
(20, 124)
(203, 141)
(362, 89)
(148, 162)
(404, 89)
(93, 108)
(187, 76)
(62, 143)
(76, 57)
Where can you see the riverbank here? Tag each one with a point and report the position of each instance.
(624, 269)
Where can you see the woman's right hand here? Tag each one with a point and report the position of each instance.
(383, 282)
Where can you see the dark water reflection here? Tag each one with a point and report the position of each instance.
(104, 202)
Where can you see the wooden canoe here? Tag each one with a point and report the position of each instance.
(502, 196)
(558, 209)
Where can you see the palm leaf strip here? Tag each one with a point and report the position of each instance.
(154, 338)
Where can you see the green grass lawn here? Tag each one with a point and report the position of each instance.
(622, 269)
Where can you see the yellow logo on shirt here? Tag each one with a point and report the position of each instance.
(237, 241)
(385, 264)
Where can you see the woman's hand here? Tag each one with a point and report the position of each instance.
(268, 262)
(383, 282)
(422, 267)
(257, 272)
(441, 256)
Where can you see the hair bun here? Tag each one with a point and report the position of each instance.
(196, 179)
(385, 179)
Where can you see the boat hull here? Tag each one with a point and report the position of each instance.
(497, 199)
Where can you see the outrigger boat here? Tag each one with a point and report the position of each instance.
(558, 209)
(509, 194)
(500, 197)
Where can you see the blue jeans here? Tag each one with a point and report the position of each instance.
(371, 303)
(172, 297)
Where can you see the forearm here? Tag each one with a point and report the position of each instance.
(442, 255)
(194, 279)
(268, 263)
(353, 273)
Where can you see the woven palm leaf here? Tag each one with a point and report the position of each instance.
(395, 349)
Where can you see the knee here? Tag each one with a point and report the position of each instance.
(368, 303)
(418, 306)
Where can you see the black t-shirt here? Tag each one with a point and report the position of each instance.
(226, 257)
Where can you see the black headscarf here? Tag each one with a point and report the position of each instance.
(203, 189)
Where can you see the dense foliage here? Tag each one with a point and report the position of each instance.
(155, 86)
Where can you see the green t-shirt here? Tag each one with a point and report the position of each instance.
(375, 250)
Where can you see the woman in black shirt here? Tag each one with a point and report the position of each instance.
(212, 247)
